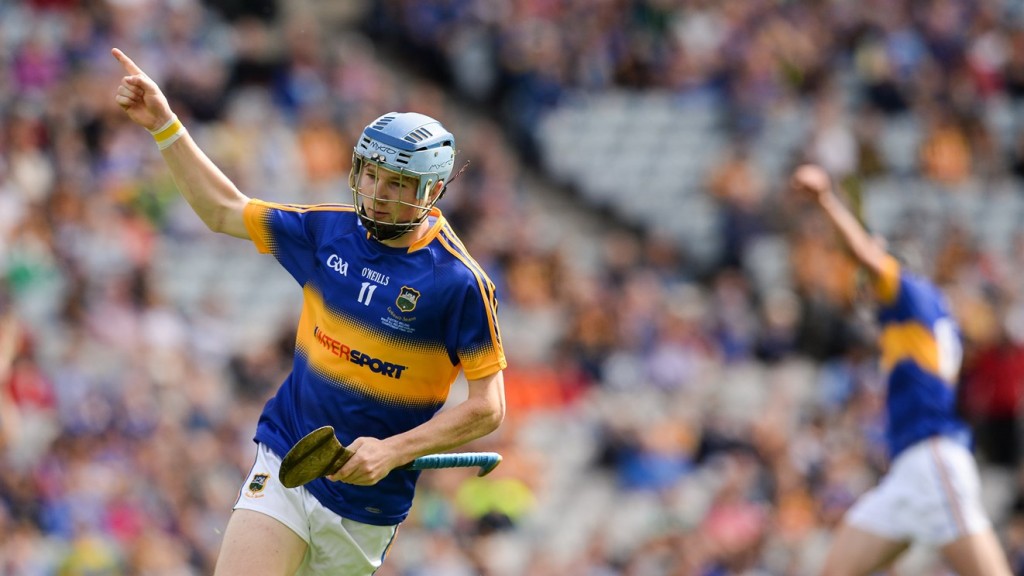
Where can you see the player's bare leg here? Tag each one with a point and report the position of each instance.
(255, 543)
(977, 555)
(855, 552)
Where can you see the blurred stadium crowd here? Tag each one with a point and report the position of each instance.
(672, 410)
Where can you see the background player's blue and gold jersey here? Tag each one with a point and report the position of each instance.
(921, 355)
(382, 336)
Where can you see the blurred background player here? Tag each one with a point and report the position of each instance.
(10, 340)
(931, 493)
(394, 307)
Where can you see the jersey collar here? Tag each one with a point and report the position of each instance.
(435, 229)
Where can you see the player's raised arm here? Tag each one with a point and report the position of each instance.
(210, 193)
(813, 181)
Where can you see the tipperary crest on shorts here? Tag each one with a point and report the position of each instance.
(407, 298)
(256, 485)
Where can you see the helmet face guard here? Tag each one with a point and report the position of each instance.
(396, 165)
(388, 202)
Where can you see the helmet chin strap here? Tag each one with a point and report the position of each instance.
(383, 231)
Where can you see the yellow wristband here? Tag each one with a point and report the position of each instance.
(168, 133)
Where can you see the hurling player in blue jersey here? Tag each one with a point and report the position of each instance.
(394, 308)
(931, 492)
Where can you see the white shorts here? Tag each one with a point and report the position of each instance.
(931, 495)
(337, 545)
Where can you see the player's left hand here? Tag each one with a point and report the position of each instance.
(139, 96)
(372, 461)
(811, 180)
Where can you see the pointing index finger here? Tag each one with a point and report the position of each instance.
(129, 65)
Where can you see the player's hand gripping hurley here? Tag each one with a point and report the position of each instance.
(319, 453)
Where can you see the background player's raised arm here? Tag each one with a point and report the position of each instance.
(210, 193)
(814, 182)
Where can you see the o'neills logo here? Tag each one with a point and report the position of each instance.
(375, 365)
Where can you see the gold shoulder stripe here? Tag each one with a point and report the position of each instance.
(453, 245)
(486, 290)
(308, 207)
(457, 242)
(475, 266)
(887, 284)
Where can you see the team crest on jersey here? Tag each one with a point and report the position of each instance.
(256, 486)
(407, 298)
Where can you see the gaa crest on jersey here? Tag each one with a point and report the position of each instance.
(407, 298)
(256, 485)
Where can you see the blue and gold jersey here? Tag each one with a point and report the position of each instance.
(921, 355)
(382, 336)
